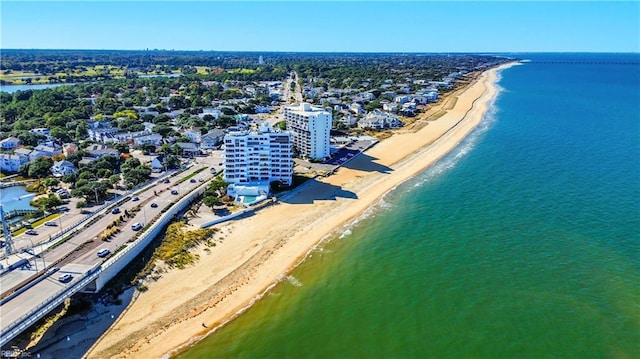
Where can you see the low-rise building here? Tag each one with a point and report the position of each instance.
(43, 150)
(9, 143)
(211, 139)
(63, 168)
(12, 162)
(100, 150)
(380, 120)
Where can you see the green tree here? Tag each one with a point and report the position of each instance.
(171, 161)
(40, 167)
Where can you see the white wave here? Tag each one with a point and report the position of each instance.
(448, 162)
(345, 233)
(293, 280)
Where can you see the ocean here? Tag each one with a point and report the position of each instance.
(523, 242)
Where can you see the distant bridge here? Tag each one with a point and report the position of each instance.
(15, 183)
(632, 63)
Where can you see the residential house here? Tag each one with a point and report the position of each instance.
(69, 148)
(100, 150)
(9, 143)
(388, 94)
(193, 135)
(391, 107)
(43, 150)
(348, 120)
(216, 113)
(41, 131)
(24, 153)
(63, 168)
(188, 149)
(157, 164)
(154, 139)
(263, 109)
(401, 99)
(356, 108)
(368, 96)
(12, 162)
(211, 139)
(379, 120)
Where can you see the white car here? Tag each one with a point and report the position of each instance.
(103, 252)
(50, 224)
(136, 226)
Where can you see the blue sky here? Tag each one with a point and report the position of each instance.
(324, 26)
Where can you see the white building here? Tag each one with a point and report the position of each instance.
(193, 135)
(380, 120)
(63, 168)
(310, 127)
(257, 158)
(11, 163)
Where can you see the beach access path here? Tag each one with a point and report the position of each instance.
(254, 253)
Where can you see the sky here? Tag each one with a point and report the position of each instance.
(323, 26)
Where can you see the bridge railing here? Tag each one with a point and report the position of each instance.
(10, 331)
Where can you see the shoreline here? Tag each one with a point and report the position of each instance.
(256, 253)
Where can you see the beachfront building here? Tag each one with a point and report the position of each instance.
(255, 158)
(310, 127)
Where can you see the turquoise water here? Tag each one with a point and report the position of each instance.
(522, 243)
(249, 199)
(15, 197)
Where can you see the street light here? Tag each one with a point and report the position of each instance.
(60, 221)
(33, 250)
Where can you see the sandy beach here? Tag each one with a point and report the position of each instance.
(256, 252)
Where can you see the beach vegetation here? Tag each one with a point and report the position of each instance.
(175, 249)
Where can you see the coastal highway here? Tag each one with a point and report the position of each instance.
(79, 254)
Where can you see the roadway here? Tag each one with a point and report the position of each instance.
(79, 254)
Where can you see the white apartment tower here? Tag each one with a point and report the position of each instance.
(310, 127)
(262, 156)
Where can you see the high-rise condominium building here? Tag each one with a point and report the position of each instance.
(310, 127)
(260, 156)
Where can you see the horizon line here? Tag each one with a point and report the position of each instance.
(329, 52)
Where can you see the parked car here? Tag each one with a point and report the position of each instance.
(154, 205)
(193, 180)
(136, 226)
(115, 210)
(200, 180)
(64, 278)
(166, 180)
(103, 252)
(50, 224)
(31, 232)
(135, 199)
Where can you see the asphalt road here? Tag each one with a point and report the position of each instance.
(75, 259)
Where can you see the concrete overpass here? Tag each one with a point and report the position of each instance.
(40, 291)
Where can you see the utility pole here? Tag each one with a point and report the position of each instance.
(8, 241)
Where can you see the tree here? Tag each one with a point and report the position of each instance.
(40, 167)
(121, 147)
(137, 176)
(48, 203)
(70, 178)
(130, 164)
(81, 130)
(164, 130)
(171, 161)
